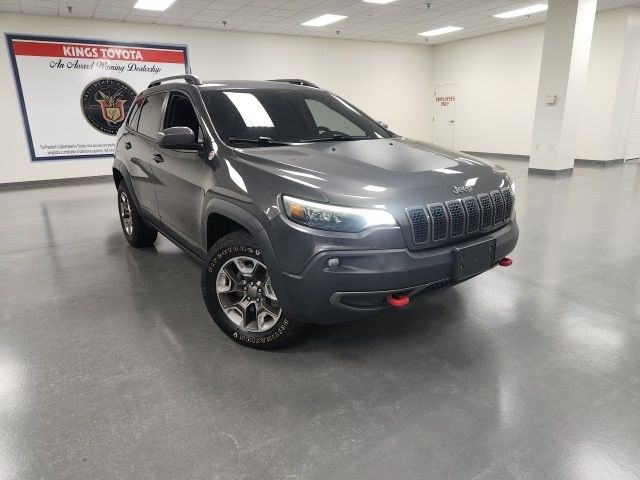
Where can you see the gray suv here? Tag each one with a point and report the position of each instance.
(301, 208)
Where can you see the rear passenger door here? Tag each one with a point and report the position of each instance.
(143, 128)
(179, 173)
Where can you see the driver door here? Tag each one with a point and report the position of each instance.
(179, 174)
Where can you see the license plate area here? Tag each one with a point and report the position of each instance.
(474, 259)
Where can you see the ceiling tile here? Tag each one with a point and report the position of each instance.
(399, 21)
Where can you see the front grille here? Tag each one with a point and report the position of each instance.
(486, 205)
(419, 224)
(439, 219)
(473, 214)
(508, 202)
(498, 204)
(458, 218)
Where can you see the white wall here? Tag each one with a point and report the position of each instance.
(632, 149)
(498, 82)
(611, 80)
(497, 77)
(391, 82)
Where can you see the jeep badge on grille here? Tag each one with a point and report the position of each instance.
(462, 189)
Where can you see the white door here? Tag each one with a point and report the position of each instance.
(444, 115)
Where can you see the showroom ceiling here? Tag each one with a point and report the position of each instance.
(398, 21)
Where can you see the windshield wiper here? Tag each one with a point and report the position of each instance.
(264, 141)
(338, 137)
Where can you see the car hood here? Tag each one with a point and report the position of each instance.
(394, 172)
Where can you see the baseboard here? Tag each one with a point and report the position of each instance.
(507, 156)
(544, 171)
(583, 162)
(579, 162)
(56, 181)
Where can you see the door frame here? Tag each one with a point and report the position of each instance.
(435, 93)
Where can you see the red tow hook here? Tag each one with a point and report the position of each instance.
(399, 301)
(505, 262)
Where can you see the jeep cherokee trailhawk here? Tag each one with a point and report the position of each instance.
(302, 208)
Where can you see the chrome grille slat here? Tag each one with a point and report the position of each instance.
(457, 218)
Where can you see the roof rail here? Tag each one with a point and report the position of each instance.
(296, 81)
(190, 79)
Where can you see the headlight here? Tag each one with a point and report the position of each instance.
(330, 217)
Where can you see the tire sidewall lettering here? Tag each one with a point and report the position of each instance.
(262, 340)
(227, 251)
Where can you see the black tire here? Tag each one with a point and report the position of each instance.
(135, 230)
(240, 247)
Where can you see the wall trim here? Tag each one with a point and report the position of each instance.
(57, 181)
(583, 162)
(580, 162)
(497, 155)
(544, 171)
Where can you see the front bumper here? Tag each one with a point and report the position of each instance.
(359, 285)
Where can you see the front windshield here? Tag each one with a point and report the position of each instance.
(258, 117)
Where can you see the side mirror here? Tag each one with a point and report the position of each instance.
(383, 125)
(178, 138)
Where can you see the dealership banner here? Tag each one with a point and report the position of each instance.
(75, 93)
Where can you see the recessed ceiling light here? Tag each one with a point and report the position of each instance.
(523, 11)
(440, 31)
(153, 4)
(380, 2)
(323, 20)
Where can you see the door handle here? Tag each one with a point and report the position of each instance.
(158, 158)
(127, 145)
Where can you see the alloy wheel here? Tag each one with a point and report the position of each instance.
(244, 290)
(125, 213)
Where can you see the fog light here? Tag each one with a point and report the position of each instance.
(333, 262)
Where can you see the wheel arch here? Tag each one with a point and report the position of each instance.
(227, 217)
(120, 174)
(223, 213)
(117, 176)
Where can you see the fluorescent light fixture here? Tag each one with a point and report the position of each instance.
(322, 20)
(159, 5)
(440, 31)
(523, 11)
(379, 2)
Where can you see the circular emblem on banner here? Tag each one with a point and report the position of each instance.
(105, 103)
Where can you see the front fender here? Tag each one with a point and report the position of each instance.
(260, 233)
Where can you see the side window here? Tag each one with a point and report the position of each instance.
(180, 113)
(134, 116)
(150, 114)
(325, 116)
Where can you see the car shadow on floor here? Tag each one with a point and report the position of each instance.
(432, 320)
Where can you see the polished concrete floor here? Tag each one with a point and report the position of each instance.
(110, 367)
